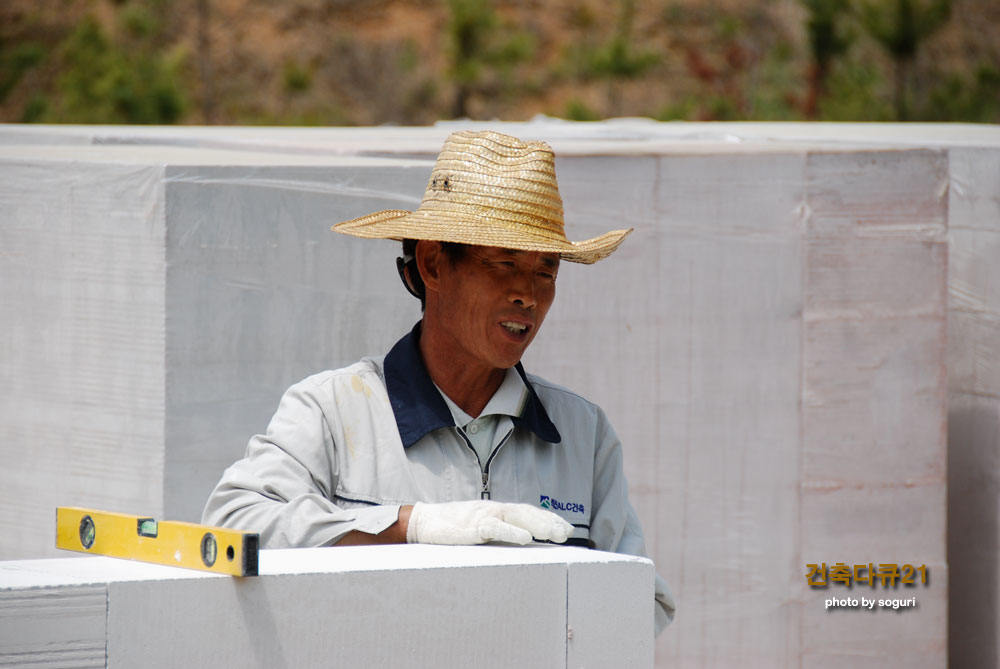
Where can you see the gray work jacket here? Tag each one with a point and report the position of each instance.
(346, 448)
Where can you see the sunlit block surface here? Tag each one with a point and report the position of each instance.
(414, 606)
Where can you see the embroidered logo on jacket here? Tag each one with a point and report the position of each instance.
(547, 502)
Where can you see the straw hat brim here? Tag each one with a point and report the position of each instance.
(440, 226)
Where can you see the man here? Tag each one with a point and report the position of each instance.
(446, 439)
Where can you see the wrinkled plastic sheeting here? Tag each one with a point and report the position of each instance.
(260, 294)
(154, 313)
(974, 407)
(81, 370)
(770, 346)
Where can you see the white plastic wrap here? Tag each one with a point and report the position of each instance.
(974, 406)
(82, 382)
(154, 314)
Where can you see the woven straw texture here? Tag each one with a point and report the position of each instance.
(489, 189)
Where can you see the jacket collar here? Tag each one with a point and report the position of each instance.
(419, 407)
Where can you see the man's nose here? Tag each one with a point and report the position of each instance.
(522, 290)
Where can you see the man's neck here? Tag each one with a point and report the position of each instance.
(469, 385)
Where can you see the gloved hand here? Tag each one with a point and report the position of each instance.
(479, 521)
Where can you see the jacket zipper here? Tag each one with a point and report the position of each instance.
(484, 492)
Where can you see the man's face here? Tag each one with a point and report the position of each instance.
(493, 301)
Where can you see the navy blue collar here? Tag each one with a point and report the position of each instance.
(419, 407)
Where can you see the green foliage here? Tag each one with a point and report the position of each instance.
(15, 62)
(409, 56)
(137, 21)
(975, 101)
(722, 108)
(582, 17)
(296, 79)
(771, 97)
(829, 39)
(855, 95)
(420, 99)
(576, 110)
(728, 27)
(684, 110)
(767, 99)
(89, 82)
(35, 110)
(518, 47)
(899, 29)
(481, 47)
(102, 82)
(472, 22)
(900, 26)
(479, 41)
(314, 116)
(617, 59)
(732, 64)
(826, 28)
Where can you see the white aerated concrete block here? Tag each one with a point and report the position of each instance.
(775, 329)
(49, 622)
(82, 403)
(974, 407)
(418, 606)
(156, 306)
(603, 629)
(874, 399)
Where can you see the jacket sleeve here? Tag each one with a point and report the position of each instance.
(284, 485)
(614, 524)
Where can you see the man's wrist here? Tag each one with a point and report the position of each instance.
(402, 523)
(394, 534)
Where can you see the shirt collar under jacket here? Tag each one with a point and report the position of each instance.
(508, 400)
(419, 407)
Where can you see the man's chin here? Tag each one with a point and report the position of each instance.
(511, 355)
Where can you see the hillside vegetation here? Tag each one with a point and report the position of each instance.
(333, 62)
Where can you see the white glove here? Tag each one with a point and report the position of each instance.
(479, 521)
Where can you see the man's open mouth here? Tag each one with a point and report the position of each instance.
(515, 328)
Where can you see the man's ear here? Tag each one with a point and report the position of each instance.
(429, 257)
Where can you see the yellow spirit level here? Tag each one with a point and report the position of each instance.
(188, 545)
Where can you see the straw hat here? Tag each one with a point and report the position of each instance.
(489, 189)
